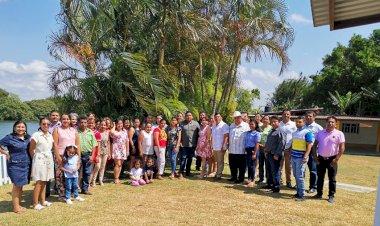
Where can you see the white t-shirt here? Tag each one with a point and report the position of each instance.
(137, 173)
(237, 138)
(289, 128)
(314, 128)
(218, 131)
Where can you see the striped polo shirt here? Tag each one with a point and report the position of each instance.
(299, 139)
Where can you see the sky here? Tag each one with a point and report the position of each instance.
(27, 25)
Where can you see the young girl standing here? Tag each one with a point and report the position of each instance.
(40, 148)
(137, 174)
(70, 166)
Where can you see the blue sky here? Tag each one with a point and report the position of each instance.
(26, 25)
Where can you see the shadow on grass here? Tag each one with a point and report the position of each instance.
(27, 200)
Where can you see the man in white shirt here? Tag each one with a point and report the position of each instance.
(289, 127)
(237, 155)
(219, 143)
(314, 129)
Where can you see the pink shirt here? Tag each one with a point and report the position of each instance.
(66, 137)
(328, 143)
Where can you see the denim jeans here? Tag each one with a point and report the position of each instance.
(173, 158)
(86, 168)
(251, 164)
(71, 185)
(186, 159)
(299, 170)
(268, 170)
(275, 170)
(313, 172)
(261, 158)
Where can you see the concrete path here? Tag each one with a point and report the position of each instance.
(351, 187)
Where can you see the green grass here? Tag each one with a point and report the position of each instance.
(204, 202)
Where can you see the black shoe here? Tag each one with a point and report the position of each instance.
(198, 169)
(275, 190)
(317, 196)
(238, 181)
(217, 178)
(267, 187)
(260, 182)
(189, 175)
(331, 199)
(232, 179)
(311, 190)
(87, 193)
(289, 185)
(300, 199)
(295, 195)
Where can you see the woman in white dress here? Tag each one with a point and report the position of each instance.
(145, 142)
(40, 148)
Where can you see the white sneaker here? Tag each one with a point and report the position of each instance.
(68, 201)
(38, 207)
(46, 203)
(79, 199)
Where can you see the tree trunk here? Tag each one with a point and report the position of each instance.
(220, 59)
(231, 73)
(202, 88)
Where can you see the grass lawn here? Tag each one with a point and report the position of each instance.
(205, 202)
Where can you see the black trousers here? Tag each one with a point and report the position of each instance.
(237, 163)
(324, 164)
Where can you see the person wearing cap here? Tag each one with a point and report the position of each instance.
(237, 155)
(189, 140)
(274, 149)
(289, 127)
(329, 144)
(219, 134)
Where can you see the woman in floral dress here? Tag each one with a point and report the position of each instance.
(203, 147)
(120, 147)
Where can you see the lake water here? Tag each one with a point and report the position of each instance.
(6, 127)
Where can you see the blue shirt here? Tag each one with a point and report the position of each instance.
(18, 148)
(72, 164)
(251, 138)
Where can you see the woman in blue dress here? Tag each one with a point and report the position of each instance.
(18, 162)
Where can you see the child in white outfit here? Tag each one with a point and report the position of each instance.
(137, 174)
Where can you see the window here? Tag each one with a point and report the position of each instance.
(350, 128)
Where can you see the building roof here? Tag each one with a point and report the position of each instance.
(293, 112)
(345, 13)
(350, 118)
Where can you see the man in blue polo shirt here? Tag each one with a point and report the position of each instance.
(301, 143)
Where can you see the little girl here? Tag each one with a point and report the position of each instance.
(137, 174)
(149, 171)
(71, 165)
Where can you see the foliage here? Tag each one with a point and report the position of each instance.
(343, 102)
(135, 57)
(11, 108)
(245, 98)
(353, 68)
(41, 107)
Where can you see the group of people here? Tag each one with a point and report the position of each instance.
(74, 151)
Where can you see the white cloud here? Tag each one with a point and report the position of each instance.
(297, 18)
(28, 81)
(266, 81)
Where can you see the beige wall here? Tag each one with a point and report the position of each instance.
(367, 135)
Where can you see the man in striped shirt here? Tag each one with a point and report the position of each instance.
(301, 143)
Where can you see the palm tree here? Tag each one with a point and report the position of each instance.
(343, 102)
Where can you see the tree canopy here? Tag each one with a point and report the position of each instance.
(134, 57)
(348, 70)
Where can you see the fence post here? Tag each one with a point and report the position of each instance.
(4, 179)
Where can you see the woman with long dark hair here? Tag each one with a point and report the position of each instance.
(18, 163)
(120, 147)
